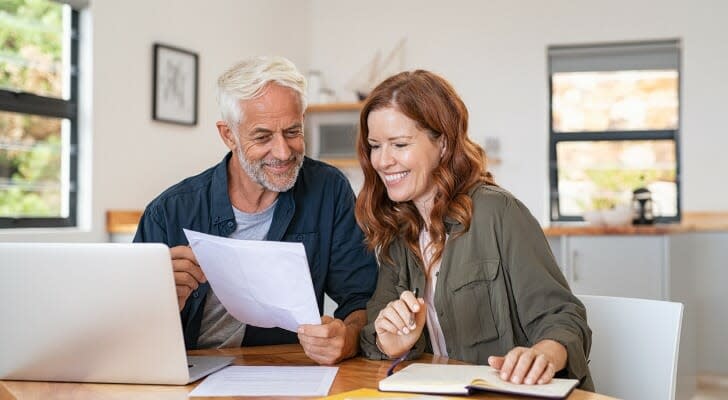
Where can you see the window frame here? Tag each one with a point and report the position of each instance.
(29, 103)
(603, 136)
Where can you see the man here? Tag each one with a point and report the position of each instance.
(266, 189)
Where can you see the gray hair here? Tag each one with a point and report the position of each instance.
(246, 80)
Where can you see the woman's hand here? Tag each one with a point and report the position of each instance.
(531, 365)
(400, 324)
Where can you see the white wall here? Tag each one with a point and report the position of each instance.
(494, 52)
(132, 158)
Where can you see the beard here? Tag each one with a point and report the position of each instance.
(276, 183)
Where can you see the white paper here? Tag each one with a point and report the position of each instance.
(261, 283)
(267, 381)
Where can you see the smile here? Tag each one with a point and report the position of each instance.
(391, 178)
(279, 166)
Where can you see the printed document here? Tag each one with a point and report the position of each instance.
(261, 283)
(267, 381)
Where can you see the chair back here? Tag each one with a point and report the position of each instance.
(635, 345)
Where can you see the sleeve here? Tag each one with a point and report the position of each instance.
(150, 228)
(546, 307)
(385, 292)
(352, 271)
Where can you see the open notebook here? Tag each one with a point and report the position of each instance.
(463, 379)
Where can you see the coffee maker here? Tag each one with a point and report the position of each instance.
(642, 207)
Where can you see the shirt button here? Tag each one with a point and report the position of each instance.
(195, 294)
(230, 224)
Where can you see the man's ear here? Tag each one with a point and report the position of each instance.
(226, 134)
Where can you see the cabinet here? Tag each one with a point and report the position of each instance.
(658, 267)
(623, 266)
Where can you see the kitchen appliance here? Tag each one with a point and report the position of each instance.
(642, 207)
(332, 135)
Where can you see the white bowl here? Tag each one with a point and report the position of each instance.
(593, 217)
(617, 216)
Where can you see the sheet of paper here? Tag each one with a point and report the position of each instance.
(267, 381)
(261, 283)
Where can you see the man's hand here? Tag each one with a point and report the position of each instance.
(187, 273)
(334, 340)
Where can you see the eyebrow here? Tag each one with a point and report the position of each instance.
(297, 125)
(393, 138)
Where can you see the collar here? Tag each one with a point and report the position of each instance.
(222, 209)
(453, 226)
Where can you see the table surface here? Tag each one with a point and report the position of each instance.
(353, 374)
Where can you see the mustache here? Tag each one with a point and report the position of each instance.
(278, 163)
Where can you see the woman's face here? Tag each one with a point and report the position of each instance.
(403, 155)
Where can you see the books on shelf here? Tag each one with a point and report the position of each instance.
(464, 379)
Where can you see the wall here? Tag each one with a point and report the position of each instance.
(129, 158)
(494, 52)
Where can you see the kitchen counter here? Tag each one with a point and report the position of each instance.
(691, 222)
(125, 222)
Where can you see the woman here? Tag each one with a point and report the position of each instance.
(491, 291)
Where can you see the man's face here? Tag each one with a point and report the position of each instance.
(269, 140)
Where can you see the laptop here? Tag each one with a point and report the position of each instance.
(93, 312)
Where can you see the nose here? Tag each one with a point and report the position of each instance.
(280, 149)
(383, 158)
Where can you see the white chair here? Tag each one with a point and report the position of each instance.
(635, 346)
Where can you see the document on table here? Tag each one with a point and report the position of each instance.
(261, 283)
(267, 381)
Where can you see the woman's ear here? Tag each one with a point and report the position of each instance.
(443, 146)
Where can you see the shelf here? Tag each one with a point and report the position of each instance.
(342, 162)
(122, 221)
(333, 107)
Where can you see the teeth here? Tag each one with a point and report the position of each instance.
(394, 177)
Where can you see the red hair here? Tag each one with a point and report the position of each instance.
(433, 104)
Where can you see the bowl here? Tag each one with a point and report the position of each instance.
(593, 217)
(617, 216)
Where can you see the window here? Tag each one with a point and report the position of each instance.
(614, 124)
(38, 113)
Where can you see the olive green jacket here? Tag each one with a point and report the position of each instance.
(499, 287)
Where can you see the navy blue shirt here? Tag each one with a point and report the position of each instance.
(318, 211)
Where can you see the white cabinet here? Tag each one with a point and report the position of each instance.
(614, 265)
(620, 266)
(659, 267)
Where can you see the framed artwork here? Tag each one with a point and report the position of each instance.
(174, 97)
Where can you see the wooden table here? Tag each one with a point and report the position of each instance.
(353, 374)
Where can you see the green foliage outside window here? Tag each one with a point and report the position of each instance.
(31, 51)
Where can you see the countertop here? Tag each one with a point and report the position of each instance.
(691, 222)
(125, 222)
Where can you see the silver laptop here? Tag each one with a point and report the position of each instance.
(93, 312)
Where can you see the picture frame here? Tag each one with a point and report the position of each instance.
(174, 94)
